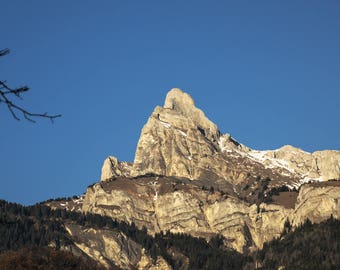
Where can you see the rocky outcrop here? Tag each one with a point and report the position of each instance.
(108, 246)
(113, 168)
(147, 264)
(179, 140)
(327, 164)
(320, 165)
(118, 204)
(179, 144)
(316, 201)
(162, 204)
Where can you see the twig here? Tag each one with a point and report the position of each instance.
(4, 52)
(12, 107)
(7, 92)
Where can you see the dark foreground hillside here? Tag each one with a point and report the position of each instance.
(35, 238)
(310, 246)
(44, 258)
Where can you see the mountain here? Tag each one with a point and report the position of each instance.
(37, 237)
(189, 178)
(192, 199)
(179, 140)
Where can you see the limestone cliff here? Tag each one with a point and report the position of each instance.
(320, 165)
(107, 246)
(188, 177)
(175, 138)
(113, 168)
(316, 201)
(168, 203)
(179, 140)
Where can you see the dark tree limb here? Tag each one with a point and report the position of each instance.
(7, 94)
(4, 52)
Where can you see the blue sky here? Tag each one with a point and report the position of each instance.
(265, 71)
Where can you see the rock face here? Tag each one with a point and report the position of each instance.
(320, 165)
(316, 201)
(175, 138)
(107, 246)
(147, 264)
(179, 144)
(179, 140)
(113, 168)
(169, 204)
(327, 164)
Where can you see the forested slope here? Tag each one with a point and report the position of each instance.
(36, 235)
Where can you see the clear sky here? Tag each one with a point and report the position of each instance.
(268, 72)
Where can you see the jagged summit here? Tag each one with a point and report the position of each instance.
(113, 168)
(179, 140)
(184, 105)
(175, 138)
(188, 177)
(179, 101)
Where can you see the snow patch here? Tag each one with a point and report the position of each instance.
(260, 156)
(181, 132)
(165, 124)
(156, 196)
(308, 179)
(221, 141)
(155, 190)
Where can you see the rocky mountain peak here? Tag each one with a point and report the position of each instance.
(114, 168)
(179, 140)
(175, 138)
(244, 194)
(179, 101)
(182, 104)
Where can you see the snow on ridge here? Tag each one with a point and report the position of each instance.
(220, 143)
(307, 179)
(304, 180)
(269, 160)
(260, 156)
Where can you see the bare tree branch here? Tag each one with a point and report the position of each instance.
(4, 52)
(6, 96)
